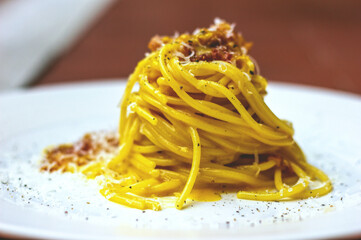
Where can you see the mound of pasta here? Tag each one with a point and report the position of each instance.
(196, 124)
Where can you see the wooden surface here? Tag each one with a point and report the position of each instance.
(306, 42)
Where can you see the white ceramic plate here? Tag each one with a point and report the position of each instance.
(42, 205)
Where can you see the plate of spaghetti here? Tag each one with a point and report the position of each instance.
(194, 149)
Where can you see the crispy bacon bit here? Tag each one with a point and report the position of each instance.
(87, 149)
(155, 43)
(218, 53)
(218, 42)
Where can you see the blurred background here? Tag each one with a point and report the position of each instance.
(50, 42)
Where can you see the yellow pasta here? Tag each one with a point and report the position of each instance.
(198, 121)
